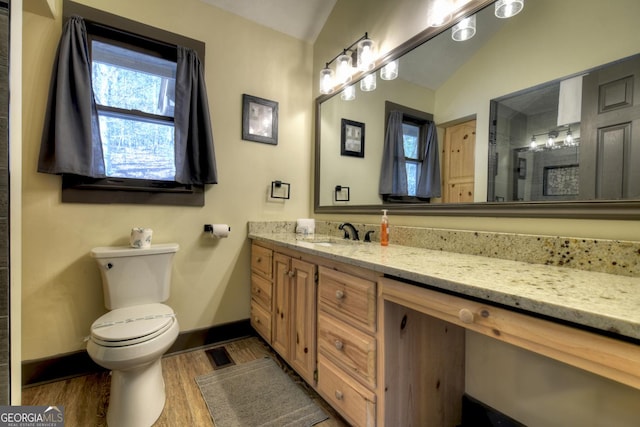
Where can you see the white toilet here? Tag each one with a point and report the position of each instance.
(131, 338)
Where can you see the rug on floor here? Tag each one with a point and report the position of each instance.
(257, 393)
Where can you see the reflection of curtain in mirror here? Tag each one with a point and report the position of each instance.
(429, 184)
(393, 175)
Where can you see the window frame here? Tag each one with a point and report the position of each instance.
(143, 38)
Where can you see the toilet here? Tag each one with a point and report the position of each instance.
(131, 338)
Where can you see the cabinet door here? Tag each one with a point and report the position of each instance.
(280, 329)
(303, 316)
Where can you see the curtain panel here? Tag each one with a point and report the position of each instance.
(71, 135)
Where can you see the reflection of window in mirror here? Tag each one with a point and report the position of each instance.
(414, 129)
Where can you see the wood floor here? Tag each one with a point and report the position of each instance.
(85, 398)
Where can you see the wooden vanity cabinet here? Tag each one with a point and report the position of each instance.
(261, 290)
(347, 344)
(294, 315)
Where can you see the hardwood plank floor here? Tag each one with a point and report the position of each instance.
(85, 398)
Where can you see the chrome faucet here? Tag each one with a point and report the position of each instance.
(344, 227)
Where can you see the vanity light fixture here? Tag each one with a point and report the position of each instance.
(389, 71)
(508, 8)
(365, 54)
(348, 93)
(368, 83)
(552, 142)
(464, 29)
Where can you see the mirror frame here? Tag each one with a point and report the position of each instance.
(588, 209)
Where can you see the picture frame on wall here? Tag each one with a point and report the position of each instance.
(352, 138)
(259, 120)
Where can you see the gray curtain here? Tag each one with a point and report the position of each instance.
(393, 174)
(71, 135)
(195, 155)
(429, 181)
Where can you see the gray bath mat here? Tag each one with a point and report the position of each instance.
(257, 393)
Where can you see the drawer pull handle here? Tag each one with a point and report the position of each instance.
(466, 316)
(339, 294)
(339, 395)
(339, 345)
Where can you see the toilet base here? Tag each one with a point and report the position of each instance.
(137, 396)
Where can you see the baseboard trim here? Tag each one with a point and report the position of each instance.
(79, 363)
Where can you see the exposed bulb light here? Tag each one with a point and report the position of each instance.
(551, 139)
(508, 8)
(534, 144)
(389, 71)
(344, 69)
(440, 13)
(464, 29)
(569, 139)
(368, 83)
(349, 93)
(327, 77)
(366, 54)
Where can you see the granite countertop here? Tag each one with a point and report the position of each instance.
(602, 301)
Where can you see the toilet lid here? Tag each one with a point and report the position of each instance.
(132, 325)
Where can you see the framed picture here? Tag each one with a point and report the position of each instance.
(259, 120)
(352, 138)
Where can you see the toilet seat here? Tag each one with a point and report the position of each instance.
(132, 325)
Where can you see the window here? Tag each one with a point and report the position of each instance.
(135, 97)
(414, 137)
(133, 77)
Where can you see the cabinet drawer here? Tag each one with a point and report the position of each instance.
(348, 297)
(351, 349)
(261, 320)
(261, 260)
(261, 291)
(354, 402)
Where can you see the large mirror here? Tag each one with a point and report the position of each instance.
(489, 97)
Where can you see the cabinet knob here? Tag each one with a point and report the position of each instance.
(339, 395)
(257, 320)
(259, 259)
(465, 315)
(339, 344)
(339, 294)
(291, 273)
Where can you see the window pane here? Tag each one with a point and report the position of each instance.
(137, 149)
(412, 177)
(410, 135)
(131, 80)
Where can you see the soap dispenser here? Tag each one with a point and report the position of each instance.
(384, 229)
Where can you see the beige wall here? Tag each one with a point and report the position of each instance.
(61, 288)
(391, 23)
(535, 390)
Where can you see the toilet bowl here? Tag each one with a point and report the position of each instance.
(130, 342)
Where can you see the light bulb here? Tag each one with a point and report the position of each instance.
(344, 69)
(569, 139)
(326, 81)
(440, 13)
(533, 145)
(366, 54)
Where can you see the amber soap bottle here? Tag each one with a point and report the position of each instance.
(384, 229)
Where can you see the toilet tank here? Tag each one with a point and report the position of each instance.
(132, 276)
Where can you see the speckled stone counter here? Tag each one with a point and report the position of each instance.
(598, 300)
